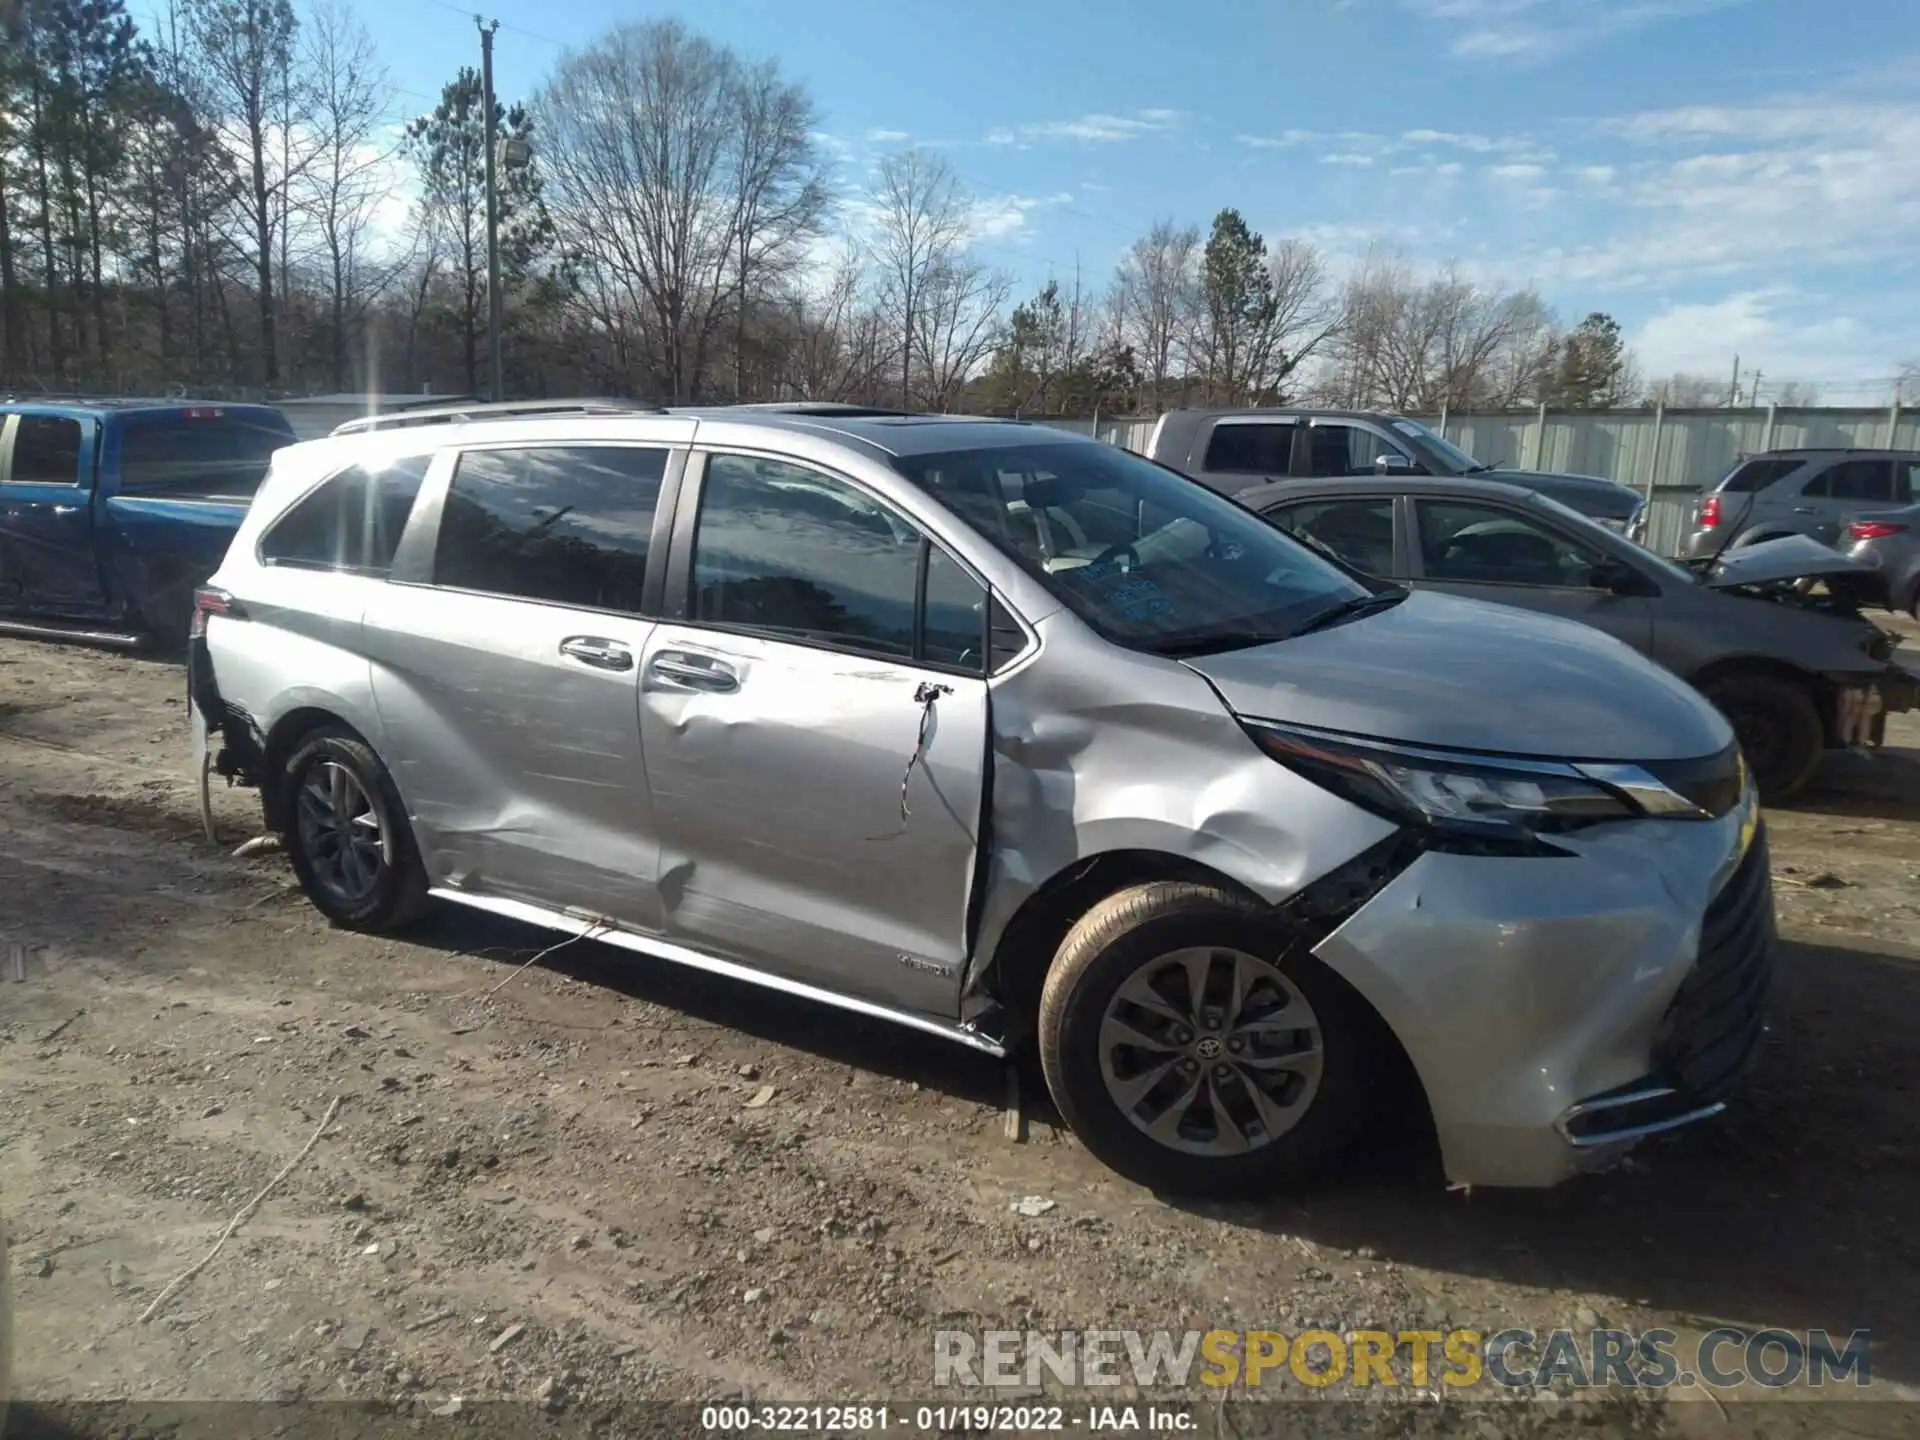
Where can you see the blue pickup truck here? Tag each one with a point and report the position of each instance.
(113, 511)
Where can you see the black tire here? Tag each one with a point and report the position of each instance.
(1109, 946)
(1778, 726)
(397, 891)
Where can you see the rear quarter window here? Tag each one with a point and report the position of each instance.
(212, 455)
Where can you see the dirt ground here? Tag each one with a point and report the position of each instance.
(568, 1184)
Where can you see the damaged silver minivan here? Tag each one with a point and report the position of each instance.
(1014, 738)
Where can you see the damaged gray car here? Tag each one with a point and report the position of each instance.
(1016, 739)
(1772, 633)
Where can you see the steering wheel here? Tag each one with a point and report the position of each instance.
(1119, 552)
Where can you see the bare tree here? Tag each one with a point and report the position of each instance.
(1158, 287)
(1305, 316)
(242, 51)
(347, 180)
(1691, 392)
(956, 325)
(920, 217)
(1412, 344)
(1794, 392)
(833, 348)
(1907, 382)
(677, 176)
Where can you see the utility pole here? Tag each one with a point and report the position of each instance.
(487, 28)
(1753, 392)
(1733, 395)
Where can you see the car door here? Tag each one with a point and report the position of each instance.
(815, 727)
(1359, 529)
(1831, 497)
(47, 564)
(505, 658)
(1487, 550)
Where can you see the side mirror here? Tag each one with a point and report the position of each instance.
(1616, 578)
(1392, 462)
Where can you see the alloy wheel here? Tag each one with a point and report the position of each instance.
(1211, 1051)
(340, 832)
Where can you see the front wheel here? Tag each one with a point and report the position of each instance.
(1778, 728)
(1195, 1047)
(347, 834)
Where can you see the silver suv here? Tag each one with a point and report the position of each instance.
(1798, 492)
(1011, 737)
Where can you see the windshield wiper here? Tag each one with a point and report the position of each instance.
(1354, 608)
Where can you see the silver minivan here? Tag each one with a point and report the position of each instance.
(1019, 740)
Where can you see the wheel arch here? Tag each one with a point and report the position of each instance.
(1818, 688)
(282, 739)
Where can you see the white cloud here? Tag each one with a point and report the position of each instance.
(1530, 30)
(1098, 128)
(1773, 331)
(1522, 171)
(887, 137)
(1002, 216)
(1347, 158)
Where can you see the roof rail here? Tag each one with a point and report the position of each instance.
(507, 410)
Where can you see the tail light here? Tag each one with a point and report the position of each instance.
(1710, 513)
(1873, 529)
(212, 600)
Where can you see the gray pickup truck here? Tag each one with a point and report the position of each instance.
(1234, 450)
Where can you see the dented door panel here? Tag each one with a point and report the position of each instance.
(515, 742)
(809, 824)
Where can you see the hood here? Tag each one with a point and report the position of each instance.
(1772, 562)
(1438, 670)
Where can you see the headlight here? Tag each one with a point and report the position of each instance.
(1464, 797)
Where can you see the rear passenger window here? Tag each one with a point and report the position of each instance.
(566, 524)
(1857, 480)
(1359, 531)
(46, 451)
(352, 522)
(1250, 449)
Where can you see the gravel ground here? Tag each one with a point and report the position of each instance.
(593, 1181)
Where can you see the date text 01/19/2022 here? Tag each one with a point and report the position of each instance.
(942, 1419)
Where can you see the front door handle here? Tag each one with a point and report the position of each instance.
(1806, 510)
(601, 654)
(684, 670)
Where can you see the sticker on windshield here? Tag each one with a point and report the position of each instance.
(1138, 600)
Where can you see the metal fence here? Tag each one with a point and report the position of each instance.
(1670, 456)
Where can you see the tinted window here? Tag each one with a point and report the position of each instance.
(787, 549)
(1199, 573)
(1490, 545)
(1751, 475)
(956, 613)
(1359, 531)
(567, 524)
(1244, 449)
(213, 453)
(352, 522)
(46, 451)
(1346, 450)
(1906, 480)
(1857, 480)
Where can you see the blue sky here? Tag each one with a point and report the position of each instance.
(1724, 176)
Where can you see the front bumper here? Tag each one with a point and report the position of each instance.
(1542, 1001)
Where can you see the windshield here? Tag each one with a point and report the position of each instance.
(1149, 559)
(1454, 460)
(211, 452)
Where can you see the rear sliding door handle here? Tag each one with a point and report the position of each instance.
(601, 654)
(683, 670)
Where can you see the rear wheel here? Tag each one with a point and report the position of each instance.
(1778, 728)
(1195, 1046)
(347, 834)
